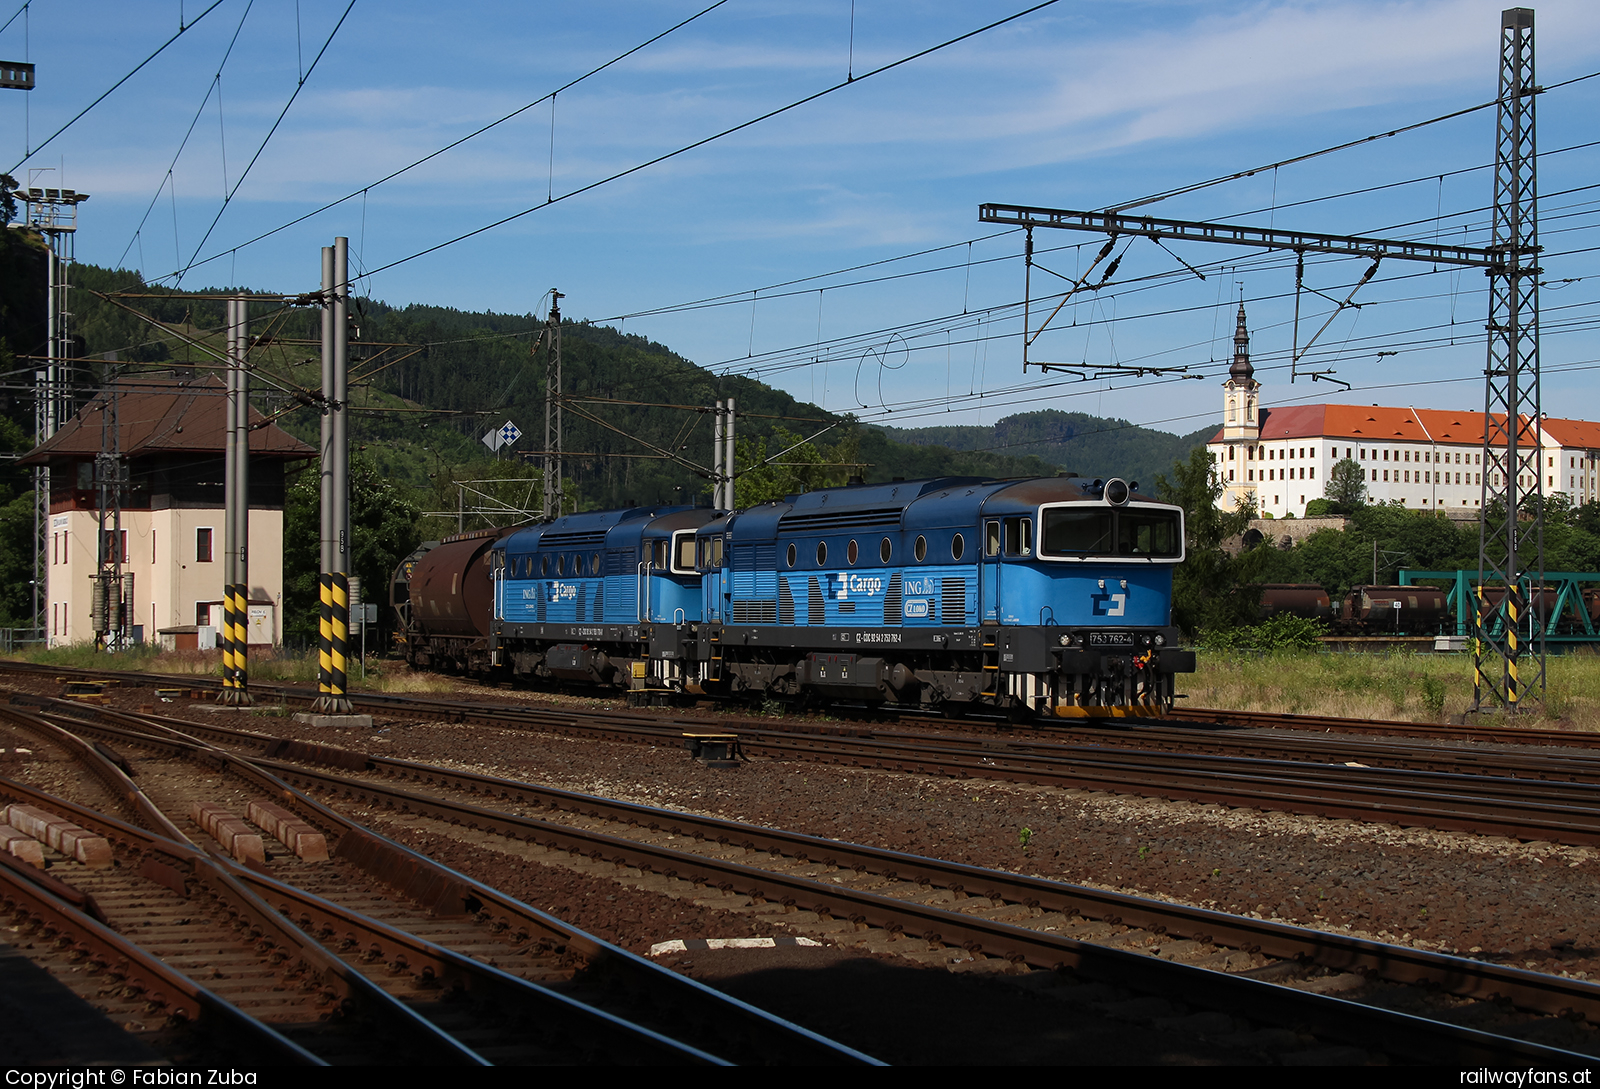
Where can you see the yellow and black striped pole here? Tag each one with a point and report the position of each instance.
(325, 639)
(1511, 650)
(340, 643)
(241, 641)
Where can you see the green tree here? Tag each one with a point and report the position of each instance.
(794, 465)
(383, 530)
(1346, 487)
(1203, 586)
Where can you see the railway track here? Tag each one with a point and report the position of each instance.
(1151, 946)
(1518, 794)
(318, 942)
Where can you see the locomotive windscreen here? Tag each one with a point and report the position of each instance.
(1094, 531)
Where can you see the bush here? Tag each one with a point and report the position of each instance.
(1281, 632)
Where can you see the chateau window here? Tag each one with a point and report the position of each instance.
(202, 545)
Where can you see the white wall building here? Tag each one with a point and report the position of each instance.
(171, 436)
(1430, 459)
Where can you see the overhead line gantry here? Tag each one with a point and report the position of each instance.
(1511, 519)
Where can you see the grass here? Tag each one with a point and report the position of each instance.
(1398, 686)
(276, 666)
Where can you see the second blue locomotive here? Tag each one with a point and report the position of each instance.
(1047, 596)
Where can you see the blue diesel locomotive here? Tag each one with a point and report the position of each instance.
(1048, 596)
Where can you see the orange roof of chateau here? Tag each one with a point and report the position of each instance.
(1375, 423)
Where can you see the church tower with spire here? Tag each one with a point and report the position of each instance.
(1241, 421)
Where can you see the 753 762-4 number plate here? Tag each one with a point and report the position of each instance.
(1111, 639)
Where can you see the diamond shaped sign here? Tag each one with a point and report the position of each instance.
(509, 433)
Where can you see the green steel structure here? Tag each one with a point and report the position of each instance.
(1567, 621)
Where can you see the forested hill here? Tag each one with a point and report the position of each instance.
(422, 406)
(1074, 441)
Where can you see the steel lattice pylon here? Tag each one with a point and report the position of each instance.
(1508, 666)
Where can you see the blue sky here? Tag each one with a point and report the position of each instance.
(1079, 105)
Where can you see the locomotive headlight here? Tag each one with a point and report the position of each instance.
(1161, 640)
(1066, 640)
(1116, 492)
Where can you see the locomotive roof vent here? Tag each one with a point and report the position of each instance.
(1117, 491)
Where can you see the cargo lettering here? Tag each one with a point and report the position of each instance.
(865, 585)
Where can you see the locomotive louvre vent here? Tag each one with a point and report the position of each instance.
(841, 521)
(541, 605)
(816, 607)
(785, 601)
(892, 600)
(755, 611)
(583, 600)
(953, 601)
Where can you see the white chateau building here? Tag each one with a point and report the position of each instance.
(1430, 459)
(170, 435)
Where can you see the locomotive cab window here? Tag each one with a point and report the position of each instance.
(1019, 536)
(991, 539)
(658, 554)
(682, 553)
(1075, 532)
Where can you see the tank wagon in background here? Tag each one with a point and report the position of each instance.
(1044, 596)
(1365, 610)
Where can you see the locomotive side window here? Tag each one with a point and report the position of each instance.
(544, 566)
(958, 546)
(885, 550)
(822, 553)
(991, 539)
(921, 548)
(594, 564)
(716, 552)
(851, 552)
(1019, 536)
(561, 566)
(791, 554)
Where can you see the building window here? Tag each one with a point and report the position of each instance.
(202, 545)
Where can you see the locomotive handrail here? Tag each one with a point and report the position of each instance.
(643, 599)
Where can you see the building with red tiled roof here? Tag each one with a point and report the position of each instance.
(171, 436)
(1430, 459)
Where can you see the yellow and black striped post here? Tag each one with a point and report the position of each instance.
(325, 640)
(1477, 653)
(227, 644)
(1511, 650)
(340, 642)
(241, 642)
